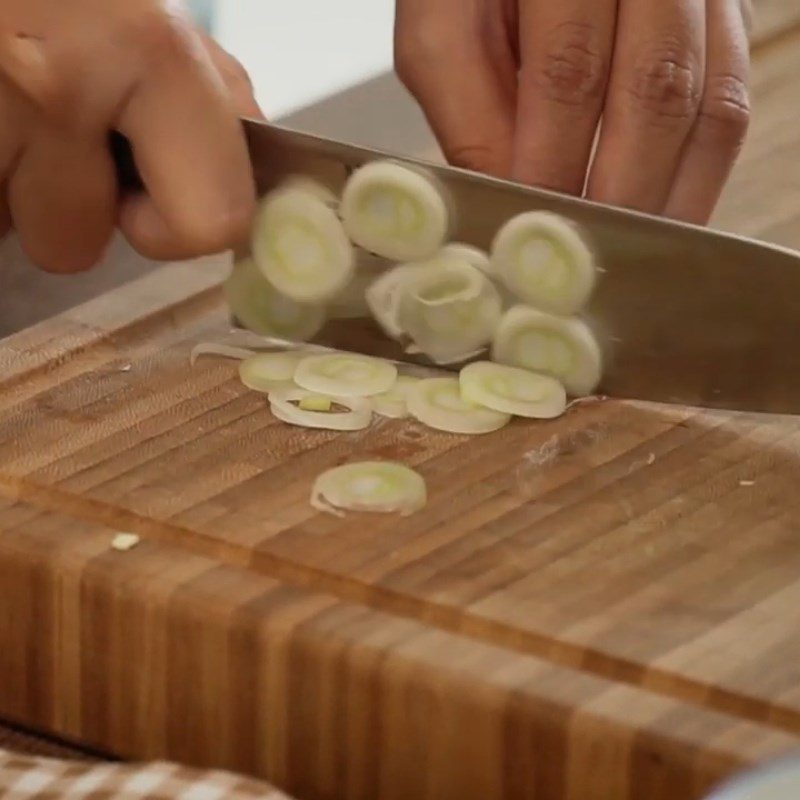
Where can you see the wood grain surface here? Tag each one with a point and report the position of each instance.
(604, 606)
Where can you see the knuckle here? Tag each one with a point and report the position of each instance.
(666, 85)
(724, 115)
(233, 73)
(218, 231)
(571, 69)
(159, 35)
(418, 49)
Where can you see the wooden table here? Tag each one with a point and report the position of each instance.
(605, 606)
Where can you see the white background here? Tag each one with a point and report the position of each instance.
(299, 51)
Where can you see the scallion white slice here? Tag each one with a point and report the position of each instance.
(372, 486)
(301, 247)
(261, 308)
(384, 294)
(544, 261)
(472, 255)
(562, 347)
(345, 375)
(449, 309)
(315, 402)
(437, 402)
(312, 186)
(394, 211)
(356, 417)
(394, 403)
(268, 371)
(512, 390)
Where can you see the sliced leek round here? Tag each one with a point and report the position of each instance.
(283, 403)
(449, 309)
(437, 402)
(544, 261)
(384, 294)
(394, 211)
(268, 371)
(301, 247)
(394, 403)
(374, 486)
(312, 186)
(261, 308)
(472, 255)
(345, 375)
(512, 390)
(315, 402)
(562, 347)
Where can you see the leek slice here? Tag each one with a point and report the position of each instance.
(512, 390)
(394, 211)
(357, 416)
(301, 247)
(437, 402)
(543, 260)
(562, 347)
(268, 371)
(394, 403)
(374, 486)
(449, 309)
(264, 310)
(345, 375)
(384, 294)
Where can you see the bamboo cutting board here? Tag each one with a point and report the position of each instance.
(606, 606)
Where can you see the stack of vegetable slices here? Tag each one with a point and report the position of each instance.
(382, 249)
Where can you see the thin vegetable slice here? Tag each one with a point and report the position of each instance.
(449, 309)
(562, 347)
(437, 402)
(223, 350)
(268, 371)
(472, 255)
(384, 294)
(356, 417)
(544, 261)
(373, 486)
(394, 403)
(301, 247)
(315, 402)
(345, 375)
(261, 308)
(394, 211)
(512, 390)
(312, 186)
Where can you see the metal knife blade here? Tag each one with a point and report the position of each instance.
(684, 314)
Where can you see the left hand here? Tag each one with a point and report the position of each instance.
(518, 88)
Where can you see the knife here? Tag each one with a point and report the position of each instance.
(684, 314)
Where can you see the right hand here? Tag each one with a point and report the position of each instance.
(71, 71)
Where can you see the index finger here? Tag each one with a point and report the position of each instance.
(191, 152)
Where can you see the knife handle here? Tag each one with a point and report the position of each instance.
(128, 177)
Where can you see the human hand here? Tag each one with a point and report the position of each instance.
(518, 88)
(70, 72)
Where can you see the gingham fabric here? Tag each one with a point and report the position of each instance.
(31, 778)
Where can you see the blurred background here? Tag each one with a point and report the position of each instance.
(300, 52)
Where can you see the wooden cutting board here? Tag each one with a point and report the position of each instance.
(605, 607)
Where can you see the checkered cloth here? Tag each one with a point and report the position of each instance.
(31, 778)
